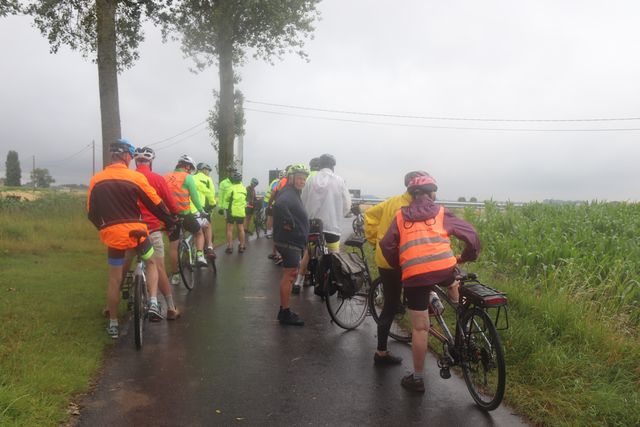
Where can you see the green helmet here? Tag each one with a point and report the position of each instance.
(297, 168)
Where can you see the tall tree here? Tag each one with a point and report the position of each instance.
(13, 171)
(107, 31)
(238, 120)
(223, 31)
(42, 178)
(9, 7)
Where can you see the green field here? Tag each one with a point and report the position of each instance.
(572, 349)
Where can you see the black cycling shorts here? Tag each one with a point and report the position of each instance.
(189, 223)
(291, 256)
(418, 296)
(234, 219)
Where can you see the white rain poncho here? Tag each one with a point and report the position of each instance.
(325, 196)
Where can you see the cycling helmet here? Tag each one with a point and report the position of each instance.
(423, 183)
(299, 168)
(144, 153)
(236, 177)
(314, 164)
(327, 161)
(412, 174)
(202, 166)
(122, 146)
(184, 159)
(254, 181)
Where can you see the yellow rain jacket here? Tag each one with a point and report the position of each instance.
(377, 221)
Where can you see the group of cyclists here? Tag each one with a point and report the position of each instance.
(410, 232)
(121, 201)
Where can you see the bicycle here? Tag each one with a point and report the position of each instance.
(138, 299)
(358, 222)
(347, 310)
(260, 218)
(476, 347)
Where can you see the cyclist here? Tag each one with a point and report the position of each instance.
(267, 205)
(235, 203)
(222, 188)
(207, 193)
(290, 231)
(183, 187)
(314, 167)
(112, 206)
(325, 197)
(144, 159)
(377, 220)
(418, 243)
(251, 203)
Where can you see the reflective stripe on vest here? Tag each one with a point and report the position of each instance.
(175, 180)
(424, 246)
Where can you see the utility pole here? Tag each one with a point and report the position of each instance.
(93, 151)
(33, 172)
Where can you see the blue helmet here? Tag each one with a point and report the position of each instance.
(122, 146)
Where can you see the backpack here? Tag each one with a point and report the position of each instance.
(349, 272)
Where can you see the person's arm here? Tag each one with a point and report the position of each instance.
(464, 231)
(389, 245)
(283, 215)
(346, 199)
(371, 221)
(210, 194)
(190, 185)
(93, 217)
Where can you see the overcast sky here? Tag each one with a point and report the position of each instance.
(466, 59)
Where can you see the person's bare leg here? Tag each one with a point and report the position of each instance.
(151, 273)
(173, 255)
(454, 291)
(303, 268)
(419, 342)
(241, 235)
(199, 240)
(113, 291)
(208, 236)
(288, 275)
(229, 235)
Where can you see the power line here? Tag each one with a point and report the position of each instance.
(180, 140)
(439, 127)
(86, 147)
(477, 119)
(178, 134)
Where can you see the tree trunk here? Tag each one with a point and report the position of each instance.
(108, 75)
(227, 111)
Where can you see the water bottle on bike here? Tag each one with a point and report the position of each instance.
(436, 304)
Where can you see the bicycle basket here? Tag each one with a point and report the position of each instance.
(482, 295)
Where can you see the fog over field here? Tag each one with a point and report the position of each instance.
(500, 60)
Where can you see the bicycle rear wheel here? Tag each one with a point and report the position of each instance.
(482, 358)
(346, 312)
(401, 326)
(186, 264)
(138, 310)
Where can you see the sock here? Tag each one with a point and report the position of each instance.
(169, 299)
(113, 322)
(299, 280)
(418, 375)
(153, 300)
(198, 253)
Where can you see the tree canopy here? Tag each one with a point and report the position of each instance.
(13, 171)
(9, 7)
(41, 178)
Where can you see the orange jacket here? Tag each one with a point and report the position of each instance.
(112, 204)
(175, 180)
(424, 246)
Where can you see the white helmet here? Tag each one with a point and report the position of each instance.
(144, 153)
(188, 160)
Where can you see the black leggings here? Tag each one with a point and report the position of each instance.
(392, 288)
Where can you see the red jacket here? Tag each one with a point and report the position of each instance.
(160, 185)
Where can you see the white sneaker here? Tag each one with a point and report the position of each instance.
(200, 261)
(176, 279)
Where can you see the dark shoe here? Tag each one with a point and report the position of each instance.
(387, 359)
(271, 256)
(412, 384)
(295, 289)
(229, 250)
(241, 249)
(290, 318)
(280, 314)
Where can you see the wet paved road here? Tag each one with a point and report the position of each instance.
(227, 361)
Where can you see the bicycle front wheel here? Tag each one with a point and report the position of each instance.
(138, 310)
(346, 312)
(400, 329)
(482, 358)
(186, 264)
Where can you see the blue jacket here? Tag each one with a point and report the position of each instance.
(288, 210)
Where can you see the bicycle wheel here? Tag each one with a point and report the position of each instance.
(401, 326)
(482, 358)
(346, 312)
(138, 310)
(186, 264)
(256, 224)
(211, 260)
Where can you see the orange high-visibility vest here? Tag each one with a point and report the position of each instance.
(175, 180)
(424, 246)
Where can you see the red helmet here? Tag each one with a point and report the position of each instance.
(424, 183)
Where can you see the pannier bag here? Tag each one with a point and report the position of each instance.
(349, 272)
(322, 275)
